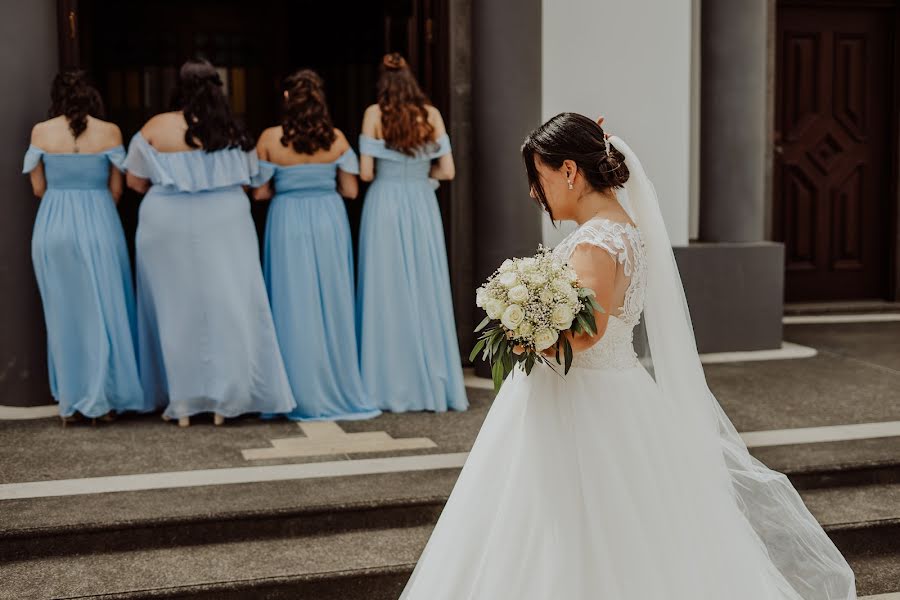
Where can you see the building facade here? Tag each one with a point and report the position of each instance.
(769, 128)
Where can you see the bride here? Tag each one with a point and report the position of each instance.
(623, 479)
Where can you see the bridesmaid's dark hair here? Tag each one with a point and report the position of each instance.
(210, 123)
(306, 124)
(404, 116)
(73, 97)
(570, 136)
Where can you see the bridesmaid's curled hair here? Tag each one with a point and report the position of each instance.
(74, 98)
(570, 136)
(306, 124)
(404, 116)
(211, 124)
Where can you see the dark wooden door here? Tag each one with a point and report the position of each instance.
(834, 148)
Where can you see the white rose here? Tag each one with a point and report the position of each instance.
(544, 338)
(525, 330)
(562, 285)
(527, 264)
(509, 279)
(518, 294)
(494, 308)
(513, 316)
(571, 275)
(546, 296)
(572, 296)
(507, 266)
(481, 296)
(562, 316)
(537, 278)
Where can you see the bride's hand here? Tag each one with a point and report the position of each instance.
(600, 121)
(518, 349)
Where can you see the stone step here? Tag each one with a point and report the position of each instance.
(836, 464)
(370, 564)
(847, 307)
(343, 535)
(168, 518)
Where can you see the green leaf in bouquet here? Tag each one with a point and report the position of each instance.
(483, 324)
(506, 358)
(567, 347)
(529, 363)
(478, 347)
(497, 375)
(587, 327)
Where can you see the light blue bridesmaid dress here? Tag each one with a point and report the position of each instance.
(308, 266)
(81, 263)
(409, 354)
(205, 332)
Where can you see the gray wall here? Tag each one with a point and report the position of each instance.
(506, 97)
(27, 65)
(506, 103)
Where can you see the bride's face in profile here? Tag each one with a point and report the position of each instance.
(561, 187)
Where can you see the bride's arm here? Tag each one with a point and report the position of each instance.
(596, 270)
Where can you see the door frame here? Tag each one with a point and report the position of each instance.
(893, 268)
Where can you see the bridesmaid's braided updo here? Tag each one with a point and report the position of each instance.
(74, 98)
(570, 136)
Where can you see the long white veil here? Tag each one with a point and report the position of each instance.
(797, 546)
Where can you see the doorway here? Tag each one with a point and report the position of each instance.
(133, 50)
(834, 192)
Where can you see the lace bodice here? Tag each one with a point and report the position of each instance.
(623, 241)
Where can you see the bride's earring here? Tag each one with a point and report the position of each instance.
(571, 187)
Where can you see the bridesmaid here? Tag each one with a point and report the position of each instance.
(308, 256)
(79, 254)
(409, 353)
(206, 338)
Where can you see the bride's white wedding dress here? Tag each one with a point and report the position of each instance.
(610, 484)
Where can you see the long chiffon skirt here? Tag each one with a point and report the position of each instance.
(82, 269)
(309, 275)
(207, 341)
(409, 353)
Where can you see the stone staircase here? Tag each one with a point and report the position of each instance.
(337, 538)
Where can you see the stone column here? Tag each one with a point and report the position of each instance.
(734, 127)
(28, 63)
(506, 102)
(733, 278)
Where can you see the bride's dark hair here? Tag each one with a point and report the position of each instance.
(207, 112)
(570, 136)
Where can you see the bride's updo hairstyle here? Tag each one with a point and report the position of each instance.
(74, 98)
(570, 136)
(306, 123)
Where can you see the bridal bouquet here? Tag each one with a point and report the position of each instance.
(529, 303)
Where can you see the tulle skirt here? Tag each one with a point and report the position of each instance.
(81, 264)
(207, 341)
(577, 488)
